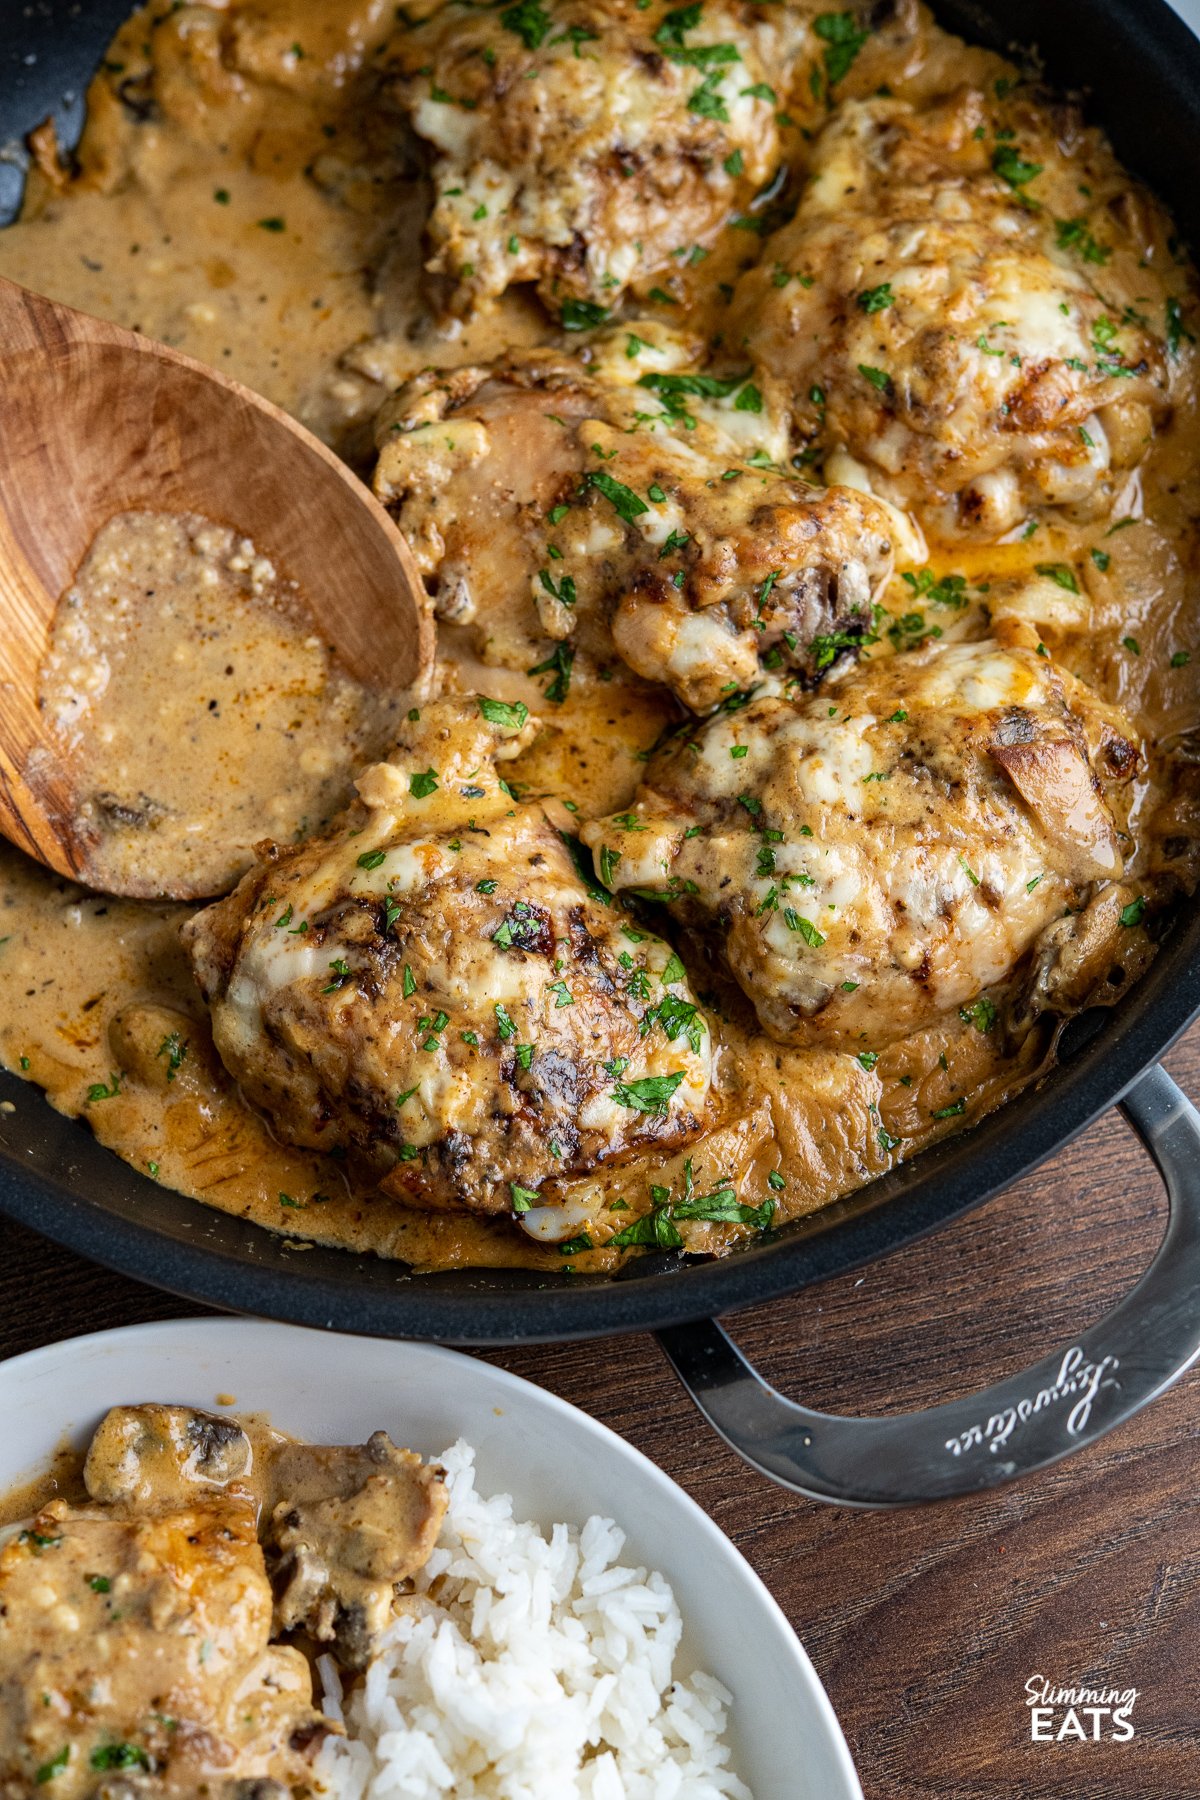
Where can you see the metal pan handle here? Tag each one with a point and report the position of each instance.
(1058, 1405)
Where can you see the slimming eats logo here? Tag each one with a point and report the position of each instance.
(1091, 1715)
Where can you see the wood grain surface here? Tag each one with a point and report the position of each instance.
(924, 1625)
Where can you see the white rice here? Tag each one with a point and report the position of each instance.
(535, 1668)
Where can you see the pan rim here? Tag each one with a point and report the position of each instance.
(478, 1308)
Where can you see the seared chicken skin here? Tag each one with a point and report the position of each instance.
(578, 145)
(867, 859)
(937, 307)
(433, 986)
(636, 506)
(135, 1659)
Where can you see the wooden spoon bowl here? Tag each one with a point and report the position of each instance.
(96, 421)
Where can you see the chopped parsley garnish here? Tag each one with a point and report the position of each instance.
(653, 1229)
(981, 1014)
(522, 1197)
(374, 859)
(1176, 329)
(529, 21)
(1010, 167)
(582, 315)
(1060, 573)
(808, 931)
(341, 974)
(409, 984)
(944, 590)
(878, 378)
(273, 224)
(1135, 912)
(565, 593)
(560, 662)
(119, 1756)
(504, 1024)
(651, 1094)
(608, 864)
(511, 714)
(629, 505)
(1074, 234)
(677, 1017)
(877, 299)
(98, 1090)
(839, 32)
(724, 1208)
(574, 1245)
(951, 1112)
(175, 1051)
(54, 1767)
(1101, 558)
(421, 786)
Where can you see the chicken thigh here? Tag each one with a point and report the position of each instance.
(435, 987)
(578, 145)
(866, 859)
(135, 1659)
(635, 506)
(938, 309)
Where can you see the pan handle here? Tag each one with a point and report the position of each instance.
(1056, 1406)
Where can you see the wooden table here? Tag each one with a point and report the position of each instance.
(925, 1625)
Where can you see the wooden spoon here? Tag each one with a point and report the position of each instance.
(96, 421)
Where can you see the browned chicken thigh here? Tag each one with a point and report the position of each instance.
(633, 505)
(963, 323)
(434, 986)
(869, 858)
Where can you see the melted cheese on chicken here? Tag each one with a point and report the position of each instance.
(869, 858)
(634, 505)
(581, 146)
(434, 986)
(960, 330)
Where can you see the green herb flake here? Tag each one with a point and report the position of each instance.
(1060, 573)
(840, 33)
(1011, 168)
(510, 714)
(582, 315)
(119, 1756)
(421, 786)
(981, 1014)
(54, 1767)
(878, 378)
(877, 299)
(651, 1094)
(1135, 912)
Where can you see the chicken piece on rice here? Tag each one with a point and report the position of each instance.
(435, 987)
(959, 330)
(635, 505)
(868, 859)
(578, 145)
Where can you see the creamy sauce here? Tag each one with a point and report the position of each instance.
(186, 685)
(250, 218)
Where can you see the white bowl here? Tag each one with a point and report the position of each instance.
(554, 1460)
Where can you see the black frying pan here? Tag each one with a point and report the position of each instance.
(1142, 69)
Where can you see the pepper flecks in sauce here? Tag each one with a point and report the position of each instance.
(259, 215)
(186, 685)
